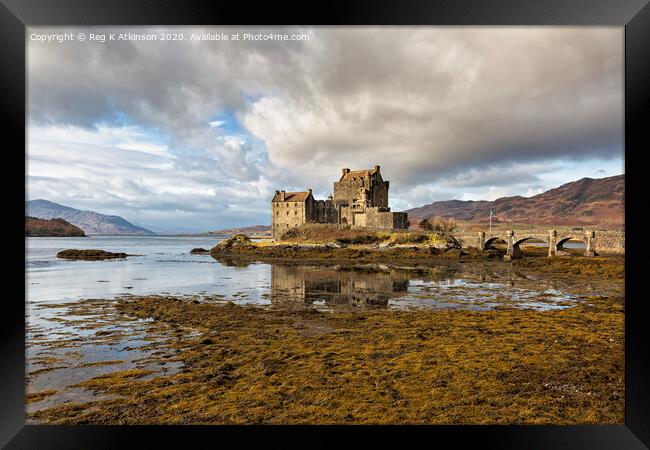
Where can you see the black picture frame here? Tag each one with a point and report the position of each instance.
(634, 15)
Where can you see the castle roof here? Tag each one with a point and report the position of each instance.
(352, 174)
(291, 197)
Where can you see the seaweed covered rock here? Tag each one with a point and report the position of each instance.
(238, 240)
(89, 254)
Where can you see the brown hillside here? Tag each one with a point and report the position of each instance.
(257, 230)
(51, 227)
(587, 201)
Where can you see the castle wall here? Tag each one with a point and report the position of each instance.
(360, 219)
(400, 220)
(379, 193)
(345, 215)
(385, 220)
(286, 215)
(348, 192)
(322, 211)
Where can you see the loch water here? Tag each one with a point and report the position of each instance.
(163, 265)
(65, 343)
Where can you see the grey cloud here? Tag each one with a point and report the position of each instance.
(428, 101)
(494, 177)
(450, 107)
(171, 84)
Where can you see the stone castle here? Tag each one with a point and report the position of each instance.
(360, 199)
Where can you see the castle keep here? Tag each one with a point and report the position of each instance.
(360, 200)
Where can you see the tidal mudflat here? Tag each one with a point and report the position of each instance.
(467, 341)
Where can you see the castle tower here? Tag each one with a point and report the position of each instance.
(358, 190)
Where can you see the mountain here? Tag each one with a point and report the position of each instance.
(170, 230)
(51, 227)
(587, 201)
(92, 223)
(255, 230)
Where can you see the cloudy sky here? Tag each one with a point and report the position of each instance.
(197, 134)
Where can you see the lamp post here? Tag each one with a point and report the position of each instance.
(491, 214)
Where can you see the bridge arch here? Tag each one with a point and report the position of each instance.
(488, 242)
(559, 246)
(564, 240)
(522, 240)
(516, 249)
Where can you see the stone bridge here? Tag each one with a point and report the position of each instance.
(596, 242)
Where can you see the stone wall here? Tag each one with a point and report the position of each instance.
(610, 242)
(379, 218)
(321, 211)
(348, 192)
(286, 215)
(400, 220)
(354, 193)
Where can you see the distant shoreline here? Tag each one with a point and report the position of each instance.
(142, 235)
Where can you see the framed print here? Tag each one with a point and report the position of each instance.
(374, 218)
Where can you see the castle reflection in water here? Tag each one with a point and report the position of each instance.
(296, 285)
(379, 285)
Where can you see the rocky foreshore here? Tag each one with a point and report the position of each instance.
(241, 246)
(253, 365)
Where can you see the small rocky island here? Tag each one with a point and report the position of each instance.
(332, 243)
(89, 254)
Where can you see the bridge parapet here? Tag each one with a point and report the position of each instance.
(601, 241)
(611, 241)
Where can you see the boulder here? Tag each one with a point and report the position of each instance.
(238, 240)
(199, 251)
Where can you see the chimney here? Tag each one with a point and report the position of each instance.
(282, 196)
(376, 168)
(277, 192)
(345, 171)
